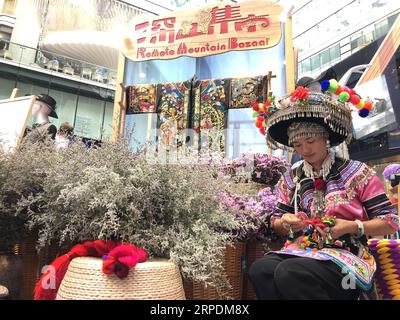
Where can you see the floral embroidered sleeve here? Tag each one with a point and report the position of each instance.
(285, 191)
(376, 203)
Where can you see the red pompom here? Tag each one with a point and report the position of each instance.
(258, 124)
(299, 94)
(354, 99)
(260, 119)
(319, 184)
(255, 106)
(262, 130)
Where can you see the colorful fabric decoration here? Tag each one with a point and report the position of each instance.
(387, 256)
(312, 245)
(362, 268)
(117, 257)
(345, 94)
(173, 112)
(210, 108)
(312, 239)
(246, 91)
(141, 98)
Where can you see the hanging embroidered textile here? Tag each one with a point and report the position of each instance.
(173, 109)
(141, 98)
(246, 91)
(210, 98)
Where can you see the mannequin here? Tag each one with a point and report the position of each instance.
(42, 128)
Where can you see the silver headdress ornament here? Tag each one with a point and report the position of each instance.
(304, 130)
(310, 107)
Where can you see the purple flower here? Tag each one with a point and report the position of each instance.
(257, 167)
(391, 169)
(251, 211)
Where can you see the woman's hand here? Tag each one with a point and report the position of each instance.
(291, 220)
(340, 228)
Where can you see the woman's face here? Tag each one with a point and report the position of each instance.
(313, 150)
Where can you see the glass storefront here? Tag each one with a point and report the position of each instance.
(88, 107)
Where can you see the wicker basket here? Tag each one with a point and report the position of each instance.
(255, 250)
(233, 269)
(10, 274)
(157, 279)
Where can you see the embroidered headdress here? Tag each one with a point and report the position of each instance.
(323, 107)
(303, 105)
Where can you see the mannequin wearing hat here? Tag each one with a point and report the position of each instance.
(327, 206)
(42, 128)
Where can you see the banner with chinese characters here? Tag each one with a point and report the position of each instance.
(205, 31)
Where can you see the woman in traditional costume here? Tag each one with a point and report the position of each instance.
(327, 206)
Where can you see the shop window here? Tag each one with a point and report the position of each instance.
(108, 121)
(325, 57)
(392, 19)
(89, 118)
(242, 135)
(140, 128)
(368, 38)
(4, 45)
(315, 62)
(334, 52)
(66, 106)
(381, 29)
(6, 87)
(306, 66)
(361, 41)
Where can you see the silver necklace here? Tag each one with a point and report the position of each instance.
(325, 168)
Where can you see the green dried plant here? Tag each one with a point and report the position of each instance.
(76, 194)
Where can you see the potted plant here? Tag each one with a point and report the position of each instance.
(75, 194)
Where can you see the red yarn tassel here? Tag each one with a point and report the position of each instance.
(46, 289)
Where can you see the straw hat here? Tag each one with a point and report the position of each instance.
(151, 280)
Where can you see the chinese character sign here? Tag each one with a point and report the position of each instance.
(201, 32)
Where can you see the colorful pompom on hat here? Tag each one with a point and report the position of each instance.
(326, 104)
(305, 106)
